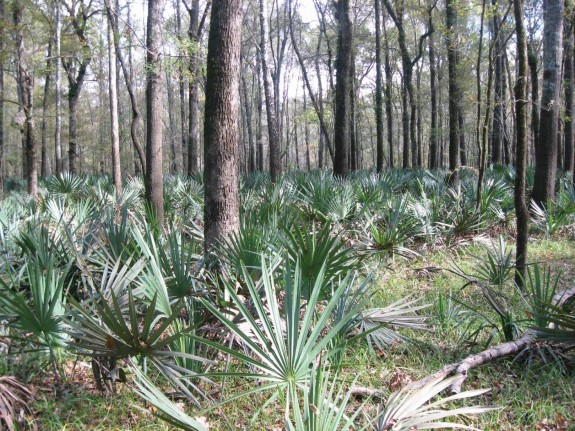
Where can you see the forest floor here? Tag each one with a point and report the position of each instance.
(529, 395)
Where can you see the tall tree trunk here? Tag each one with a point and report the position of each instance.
(273, 132)
(482, 151)
(306, 132)
(57, 90)
(378, 90)
(44, 127)
(2, 35)
(433, 146)
(454, 92)
(127, 71)
(521, 145)
(499, 105)
(546, 161)
(316, 103)
(388, 100)
(182, 93)
(533, 66)
(154, 126)
(462, 146)
(568, 82)
(342, 88)
(260, 111)
(26, 85)
(193, 88)
(221, 205)
(173, 164)
(353, 142)
(114, 119)
(250, 130)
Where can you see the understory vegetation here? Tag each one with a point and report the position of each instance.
(323, 312)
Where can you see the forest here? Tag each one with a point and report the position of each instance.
(309, 215)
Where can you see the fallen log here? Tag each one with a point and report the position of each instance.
(461, 368)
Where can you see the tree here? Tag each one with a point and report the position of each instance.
(273, 132)
(114, 122)
(221, 204)
(76, 63)
(58, 86)
(2, 35)
(154, 126)
(454, 91)
(521, 144)
(26, 90)
(128, 79)
(378, 89)
(546, 160)
(343, 88)
(568, 80)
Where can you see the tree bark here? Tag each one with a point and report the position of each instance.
(76, 67)
(454, 91)
(533, 66)
(342, 89)
(2, 35)
(520, 197)
(193, 88)
(182, 93)
(44, 144)
(388, 101)
(273, 132)
(154, 127)
(128, 79)
(221, 205)
(499, 108)
(249, 121)
(114, 118)
(378, 90)
(546, 161)
(58, 96)
(433, 147)
(26, 86)
(568, 81)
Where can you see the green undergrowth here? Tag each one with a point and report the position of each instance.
(535, 397)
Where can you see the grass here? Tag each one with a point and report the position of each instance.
(540, 397)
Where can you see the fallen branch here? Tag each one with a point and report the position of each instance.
(461, 368)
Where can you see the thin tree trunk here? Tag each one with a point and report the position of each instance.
(273, 132)
(482, 151)
(462, 146)
(47, 82)
(454, 92)
(114, 119)
(521, 211)
(314, 102)
(58, 97)
(568, 82)
(533, 66)
(378, 89)
(248, 111)
(306, 131)
(182, 93)
(193, 88)
(546, 161)
(154, 126)
(173, 165)
(388, 100)
(433, 146)
(1, 103)
(221, 207)
(26, 85)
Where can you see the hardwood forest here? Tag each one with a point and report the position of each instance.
(309, 215)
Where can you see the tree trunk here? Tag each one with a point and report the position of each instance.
(532, 62)
(454, 92)
(114, 119)
(182, 93)
(249, 121)
(462, 146)
(378, 90)
(433, 147)
(58, 97)
(154, 127)
(388, 101)
(521, 211)
(342, 89)
(1, 102)
(499, 108)
(193, 89)
(260, 111)
(569, 76)
(44, 144)
(273, 132)
(128, 79)
(26, 86)
(546, 161)
(221, 207)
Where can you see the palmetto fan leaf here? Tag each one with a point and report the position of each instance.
(413, 408)
(381, 324)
